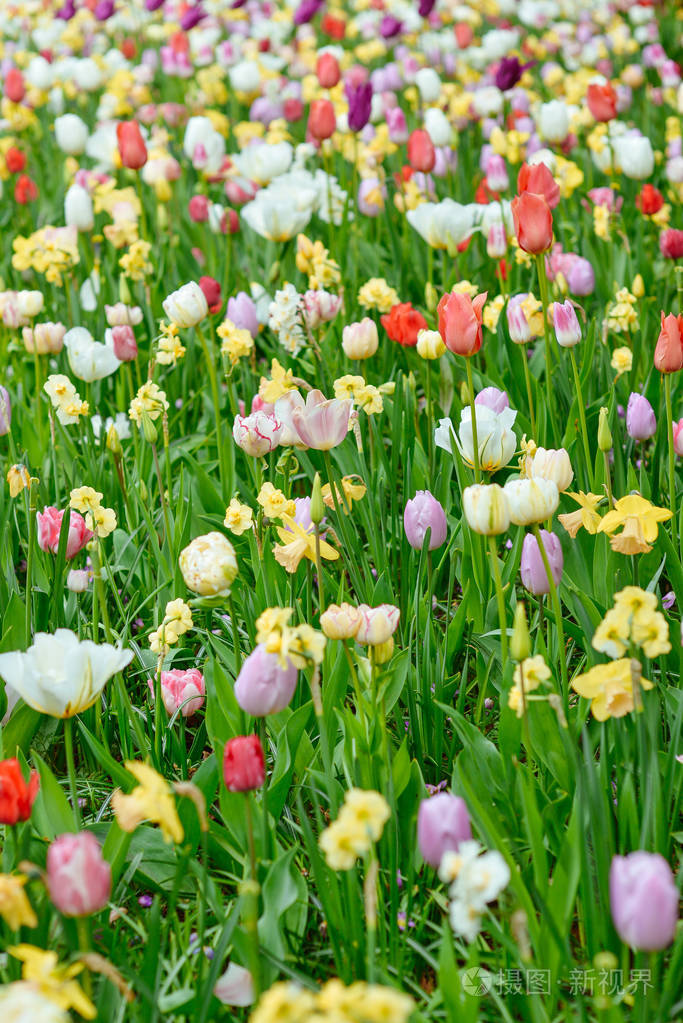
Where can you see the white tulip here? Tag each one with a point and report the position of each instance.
(263, 162)
(187, 306)
(275, 218)
(78, 209)
(496, 439)
(428, 84)
(634, 155)
(438, 126)
(486, 509)
(61, 675)
(552, 121)
(531, 500)
(89, 359)
(71, 134)
(203, 145)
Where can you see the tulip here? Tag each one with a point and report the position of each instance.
(78, 209)
(235, 986)
(120, 315)
(203, 145)
(181, 689)
(496, 174)
(262, 686)
(16, 796)
(208, 565)
(78, 580)
(360, 340)
(421, 513)
(78, 876)
(430, 345)
(318, 307)
(132, 148)
(567, 327)
(518, 325)
(496, 439)
(14, 85)
(61, 675)
(322, 120)
(509, 72)
(460, 322)
(531, 500)
(187, 306)
(493, 398)
(49, 525)
(124, 345)
(421, 152)
(650, 200)
(30, 303)
(443, 822)
(340, 621)
(242, 311)
(551, 464)
(533, 220)
(257, 434)
(538, 180)
(553, 121)
(486, 509)
(327, 70)
(602, 102)
(497, 242)
(71, 134)
(403, 324)
(377, 624)
(671, 243)
(244, 766)
(396, 123)
(89, 359)
(640, 418)
(635, 156)
(428, 84)
(669, 349)
(580, 277)
(198, 209)
(320, 423)
(643, 900)
(534, 575)
(359, 98)
(212, 293)
(5, 411)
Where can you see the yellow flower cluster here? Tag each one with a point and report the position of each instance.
(177, 621)
(376, 294)
(610, 687)
(334, 1003)
(313, 259)
(238, 517)
(274, 503)
(300, 644)
(366, 396)
(135, 263)
(360, 823)
(281, 381)
(18, 478)
(169, 348)
(351, 491)
(633, 619)
(51, 251)
(491, 313)
(236, 342)
(15, 909)
(65, 399)
(150, 400)
(621, 314)
(151, 800)
(97, 518)
(56, 983)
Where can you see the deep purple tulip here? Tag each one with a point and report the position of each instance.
(67, 11)
(104, 10)
(390, 26)
(442, 824)
(359, 98)
(640, 418)
(534, 575)
(425, 8)
(509, 72)
(493, 398)
(5, 412)
(306, 11)
(262, 686)
(192, 17)
(422, 513)
(154, 5)
(643, 899)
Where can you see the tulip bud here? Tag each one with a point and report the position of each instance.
(643, 900)
(340, 621)
(552, 464)
(567, 328)
(208, 565)
(533, 571)
(124, 291)
(144, 493)
(531, 500)
(486, 509)
(430, 344)
(78, 580)
(421, 152)
(520, 643)
(377, 624)
(604, 432)
(496, 243)
(381, 652)
(421, 513)
(431, 297)
(244, 765)
(442, 824)
(317, 507)
(78, 876)
(360, 340)
(640, 418)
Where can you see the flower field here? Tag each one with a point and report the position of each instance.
(341, 574)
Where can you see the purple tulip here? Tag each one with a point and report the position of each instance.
(534, 575)
(5, 412)
(306, 11)
(643, 899)
(580, 277)
(154, 5)
(389, 26)
(640, 418)
(442, 824)
(421, 513)
(242, 311)
(359, 98)
(263, 686)
(192, 17)
(493, 398)
(425, 8)
(509, 72)
(67, 11)
(104, 10)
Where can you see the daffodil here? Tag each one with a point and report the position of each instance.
(281, 381)
(274, 503)
(53, 981)
(640, 521)
(612, 634)
(298, 543)
(586, 517)
(352, 491)
(531, 673)
(610, 688)
(151, 800)
(15, 909)
(238, 517)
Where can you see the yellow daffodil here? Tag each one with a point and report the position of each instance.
(297, 543)
(238, 517)
(586, 517)
(151, 800)
(640, 521)
(360, 823)
(622, 360)
(281, 381)
(150, 400)
(18, 478)
(610, 688)
(53, 981)
(274, 503)
(236, 342)
(376, 294)
(353, 491)
(15, 909)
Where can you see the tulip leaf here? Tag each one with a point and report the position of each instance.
(52, 814)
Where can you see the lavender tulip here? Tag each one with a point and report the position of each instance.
(640, 418)
(534, 575)
(242, 311)
(493, 398)
(442, 824)
(262, 686)
(643, 900)
(421, 513)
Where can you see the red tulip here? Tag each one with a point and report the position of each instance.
(198, 208)
(14, 85)
(421, 152)
(334, 27)
(16, 796)
(293, 110)
(15, 160)
(602, 102)
(402, 324)
(460, 322)
(132, 148)
(671, 243)
(25, 190)
(539, 180)
(650, 200)
(669, 348)
(327, 70)
(212, 293)
(322, 119)
(244, 766)
(533, 222)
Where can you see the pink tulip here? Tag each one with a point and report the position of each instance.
(78, 876)
(442, 824)
(181, 689)
(460, 322)
(321, 423)
(421, 513)
(378, 624)
(262, 686)
(534, 575)
(124, 343)
(567, 327)
(643, 900)
(678, 437)
(49, 527)
(257, 434)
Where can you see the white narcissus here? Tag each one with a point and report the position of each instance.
(61, 675)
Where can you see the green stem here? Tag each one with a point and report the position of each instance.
(263, 736)
(475, 435)
(672, 456)
(582, 420)
(319, 570)
(558, 616)
(543, 288)
(501, 602)
(83, 931)
(71, 769)
(235, 635)
(29, 561)
(251, 894)
(529, 392)
(213, 382)
(430, 419)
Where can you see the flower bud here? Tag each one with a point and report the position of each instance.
(317, 507)
(124, 291)
(78, 580)
(520, 642)
(534, 575)
(208, 565)
(377, 624)
(567, 328)
(551, 464)
(643, 900)
(486, 509)
(78, 876)
(263, 686)
(421, 513)
(244, 766)
(430, 344)
(443, 822)
(340, 621)
(496, 243)
(360, 340)
(149, 430)
(604, 432)
(640, 418)
(187, 306)
(381, 652)
(531, 500)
